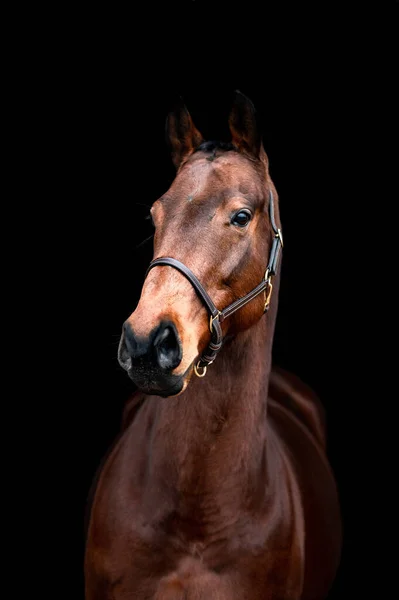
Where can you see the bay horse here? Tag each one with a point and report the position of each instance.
(219, 486)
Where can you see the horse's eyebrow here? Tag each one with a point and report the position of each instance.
(235, 194)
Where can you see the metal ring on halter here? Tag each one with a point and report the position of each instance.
(267, 297)
(196, 367)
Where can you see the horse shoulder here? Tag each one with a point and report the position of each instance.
(297, 418)
(291, 392)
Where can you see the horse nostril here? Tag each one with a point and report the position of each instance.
(130, 339)
(123, 354)
(167, 347)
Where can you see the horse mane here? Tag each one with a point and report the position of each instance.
(211, 146)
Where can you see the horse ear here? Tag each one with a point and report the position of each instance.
(181, 134)
(244, 125)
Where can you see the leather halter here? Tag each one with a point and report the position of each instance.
(218, 316)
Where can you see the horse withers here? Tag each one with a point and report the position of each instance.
(218, 487)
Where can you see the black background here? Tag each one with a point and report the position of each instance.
(313, 80)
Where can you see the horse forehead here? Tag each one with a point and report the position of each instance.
(205, 178)
(230, 173)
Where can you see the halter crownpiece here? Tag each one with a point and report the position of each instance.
(218, 316)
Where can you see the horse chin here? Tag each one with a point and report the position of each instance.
(178, 383)
(184, 381)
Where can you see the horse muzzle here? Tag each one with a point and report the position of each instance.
(150, 361)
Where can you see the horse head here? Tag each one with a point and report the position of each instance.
(217, 220)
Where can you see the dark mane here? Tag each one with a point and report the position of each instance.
(212, 145)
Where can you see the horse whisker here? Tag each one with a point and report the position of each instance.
(144, 241)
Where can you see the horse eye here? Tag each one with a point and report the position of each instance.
(241, 218)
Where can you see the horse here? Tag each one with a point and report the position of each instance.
(219, 485)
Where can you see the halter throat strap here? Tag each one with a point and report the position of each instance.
(218, 316)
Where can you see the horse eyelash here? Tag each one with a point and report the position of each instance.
(149, 218)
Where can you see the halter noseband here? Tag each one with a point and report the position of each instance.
(218, 316)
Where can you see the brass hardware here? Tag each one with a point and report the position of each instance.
(198, 374)
(212, 319)
(268, 295)
(280, 235)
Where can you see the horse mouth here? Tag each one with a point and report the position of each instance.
(166, 386)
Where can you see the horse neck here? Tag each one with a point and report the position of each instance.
(236, 383)
(219, 422)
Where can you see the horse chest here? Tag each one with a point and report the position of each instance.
(174, 556)
(164, 572)
(152, 540)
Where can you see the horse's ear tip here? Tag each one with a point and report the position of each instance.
(239, 96)
(176, 105)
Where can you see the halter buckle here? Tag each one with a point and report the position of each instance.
(196, 371)
(280, 235)
(212, 319)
